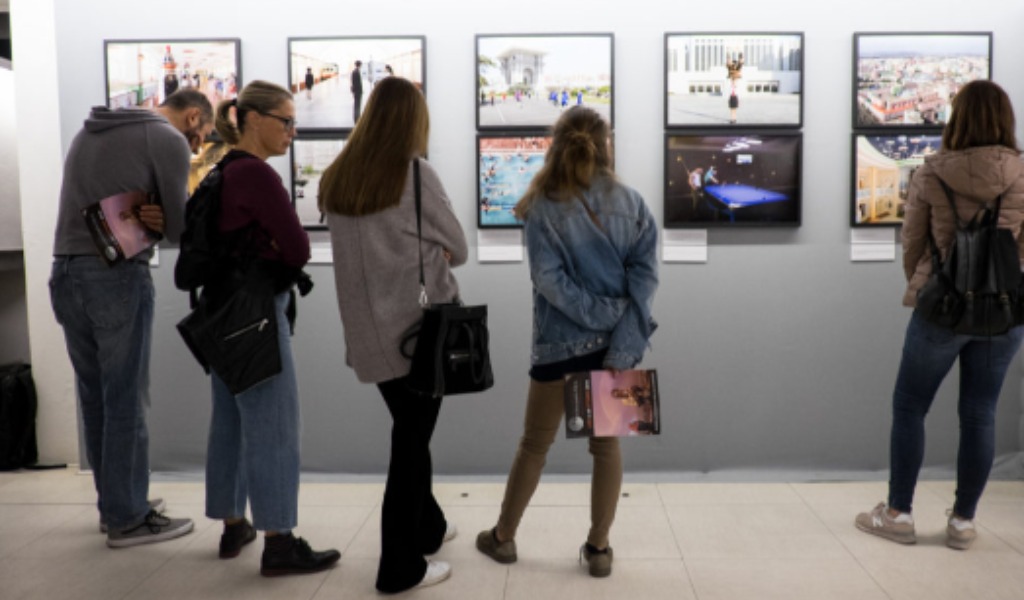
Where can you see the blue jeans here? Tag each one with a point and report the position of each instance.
(253, 449)
(107, 316)
(928, 355)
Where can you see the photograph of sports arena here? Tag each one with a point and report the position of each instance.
(719, 180)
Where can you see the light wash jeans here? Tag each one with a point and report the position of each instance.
(928, 354)
(107, 316)
(253, 449)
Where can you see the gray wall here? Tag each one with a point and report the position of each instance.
(779, 354)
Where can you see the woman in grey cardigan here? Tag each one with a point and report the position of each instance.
(368, 197)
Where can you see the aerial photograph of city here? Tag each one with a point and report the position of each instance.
(910, 79)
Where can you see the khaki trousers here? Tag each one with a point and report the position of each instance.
(544, 411)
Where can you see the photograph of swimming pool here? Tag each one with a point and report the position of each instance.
(505, 166)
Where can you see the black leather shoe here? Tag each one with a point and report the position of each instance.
(235, 537)
(288, 555)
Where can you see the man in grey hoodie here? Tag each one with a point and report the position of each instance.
(107, 311)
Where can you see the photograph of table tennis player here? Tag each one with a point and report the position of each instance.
(734, 180)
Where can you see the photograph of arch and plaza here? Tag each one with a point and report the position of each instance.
(909, 79)
(732, 180)
(733, 80)
(310, 157)
(331, 90)
(883, 166)
(144, 72)
(505, 166)
(527, 81)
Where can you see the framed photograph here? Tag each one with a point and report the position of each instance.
(506, 163)
(883, 163)
(734, 80)
(144, 72)
(909, 79)
(310, 157)
(526, 81)
(332, 77)
(716, 180)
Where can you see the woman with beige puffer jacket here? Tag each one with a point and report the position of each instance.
(979, 161)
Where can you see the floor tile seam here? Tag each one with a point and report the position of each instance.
(679, 549)
(369, 514)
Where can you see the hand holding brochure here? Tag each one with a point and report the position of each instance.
(603, 404)
(115, 226)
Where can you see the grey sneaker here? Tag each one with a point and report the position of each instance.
(599, 563)
(503, 552)
(878, 522)
(154, 528)
(960, 533)
(156, 504)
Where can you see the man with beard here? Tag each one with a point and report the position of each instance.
(107, 311)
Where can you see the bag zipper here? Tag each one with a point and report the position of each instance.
(258, 325)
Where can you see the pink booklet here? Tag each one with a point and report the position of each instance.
(599, 404)
(115, 226)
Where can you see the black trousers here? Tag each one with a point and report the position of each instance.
(412, 523)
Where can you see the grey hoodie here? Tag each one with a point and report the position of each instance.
(119, 151)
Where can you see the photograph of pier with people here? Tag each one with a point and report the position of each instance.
(144, 72)
(733, 80)
(332, 78)
(528, 81)
(722, 181)
(910, 79)
(506, 165)
(882, 169)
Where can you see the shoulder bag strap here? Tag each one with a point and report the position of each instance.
(419, 230)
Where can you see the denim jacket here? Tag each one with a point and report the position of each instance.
(593, 287)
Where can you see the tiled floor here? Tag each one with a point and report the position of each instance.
(678, 541)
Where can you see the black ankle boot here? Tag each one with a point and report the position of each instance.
(287, 554)
(236, 536)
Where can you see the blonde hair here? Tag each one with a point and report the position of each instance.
(982, 116)
(258, 96)
(369, 175)
(579, 153)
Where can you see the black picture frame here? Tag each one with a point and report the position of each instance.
(309, 156)
(328, 107)
(745, 178)
(506, 162)
(734, 80)
(885, 96)
(142, 72)
(529, 67)
(882, 164)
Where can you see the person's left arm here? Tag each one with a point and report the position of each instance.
(270, 206)
(171, 160)
(631, 335)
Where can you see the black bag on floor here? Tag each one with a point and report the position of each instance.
(17, 418)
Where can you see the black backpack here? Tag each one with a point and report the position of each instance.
(204, 253)
(17, 418)
(975, 290)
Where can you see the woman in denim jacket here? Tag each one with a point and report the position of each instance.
(591, 242)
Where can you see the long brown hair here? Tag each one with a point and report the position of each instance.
(982, 116)
(579, 153)
(369, 174)
(258, 96)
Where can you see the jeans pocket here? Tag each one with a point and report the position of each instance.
(111, 300)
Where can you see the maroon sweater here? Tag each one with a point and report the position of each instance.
(253, 193)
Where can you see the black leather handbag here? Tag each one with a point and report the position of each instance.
(451, 354)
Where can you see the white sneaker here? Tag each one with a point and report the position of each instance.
(450, 532)
(960, 533)
(437, 571)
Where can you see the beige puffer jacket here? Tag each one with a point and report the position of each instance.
(976, 176)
